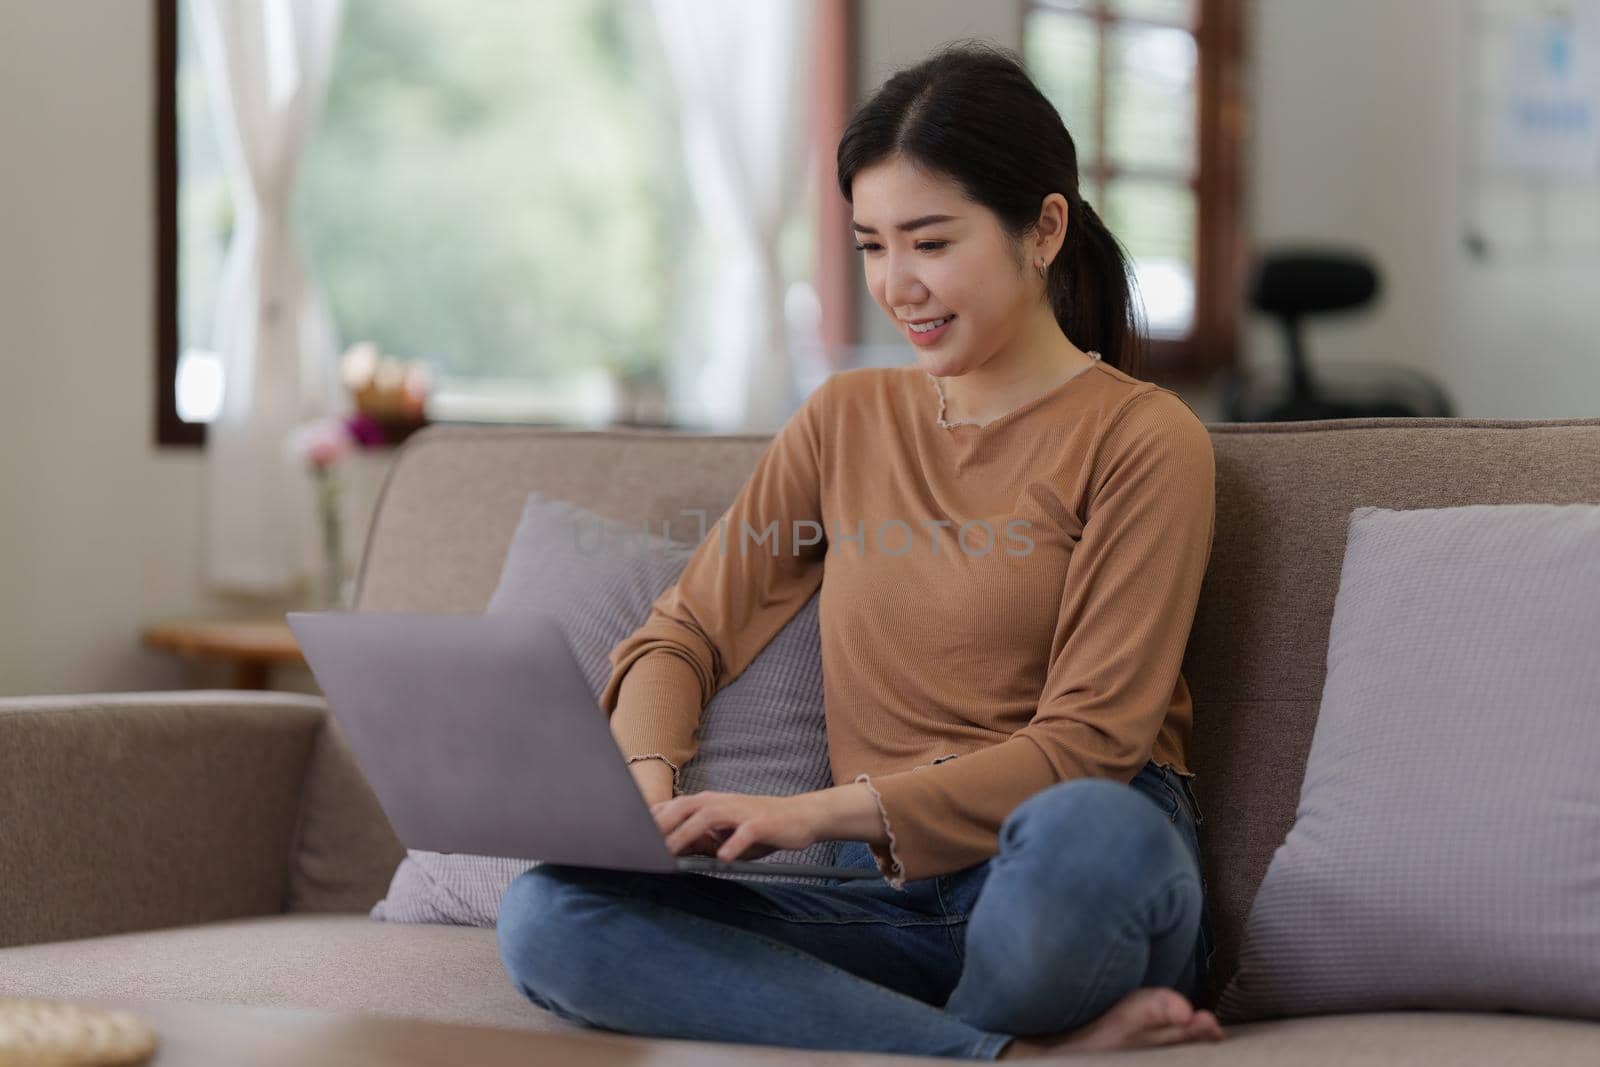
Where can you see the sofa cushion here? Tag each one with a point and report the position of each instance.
(332, 962)
(764, 732)
(1446, 849)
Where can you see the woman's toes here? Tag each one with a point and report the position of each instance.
(1174, 1008)
(1204, 1027)
(1145, 1017)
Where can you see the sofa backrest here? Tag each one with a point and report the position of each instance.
(1256, 657)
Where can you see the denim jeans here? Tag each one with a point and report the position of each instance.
(1096, 891)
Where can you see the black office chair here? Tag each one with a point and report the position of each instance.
(1290, 285)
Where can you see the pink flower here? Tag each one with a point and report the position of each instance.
(322, 443)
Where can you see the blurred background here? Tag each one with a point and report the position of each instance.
(248, 246)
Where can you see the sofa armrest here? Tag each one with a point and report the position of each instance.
(133, 811)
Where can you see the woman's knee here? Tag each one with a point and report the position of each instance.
(1090, 870)
(1095, 830)
(541, 930)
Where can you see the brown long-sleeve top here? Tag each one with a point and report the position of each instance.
(1004, 605)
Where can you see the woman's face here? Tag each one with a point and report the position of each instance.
(957, 264)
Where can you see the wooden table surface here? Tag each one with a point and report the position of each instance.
(252, 646)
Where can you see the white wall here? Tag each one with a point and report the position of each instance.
(1353, 140)
(1351, 146)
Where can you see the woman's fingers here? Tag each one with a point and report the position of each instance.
(731, 826)
(708, 844)
(736, 844)
(674, 814)
(667, 814)
(694, 829)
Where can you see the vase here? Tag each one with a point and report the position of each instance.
(334, 594)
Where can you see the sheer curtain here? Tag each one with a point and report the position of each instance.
(266, 68)
(742, 71)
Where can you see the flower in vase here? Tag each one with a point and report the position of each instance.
(320, 445)
(365, 430)
(322, 442)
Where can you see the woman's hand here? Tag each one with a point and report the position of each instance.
(735, 826)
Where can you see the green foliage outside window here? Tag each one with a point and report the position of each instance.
(486, 189)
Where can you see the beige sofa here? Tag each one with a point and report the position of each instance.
(223, 846)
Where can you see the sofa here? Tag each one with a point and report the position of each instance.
(223, 845)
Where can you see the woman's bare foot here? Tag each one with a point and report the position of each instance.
(1145, 1017)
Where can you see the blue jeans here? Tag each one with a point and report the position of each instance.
(1096, 891)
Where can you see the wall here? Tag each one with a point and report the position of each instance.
(1351, 147)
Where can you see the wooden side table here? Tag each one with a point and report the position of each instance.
(251, 645)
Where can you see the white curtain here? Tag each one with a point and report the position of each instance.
(266, 71)
(742, 69)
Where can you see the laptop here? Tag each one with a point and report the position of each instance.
(480, 735)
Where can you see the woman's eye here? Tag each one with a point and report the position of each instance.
(922, 246)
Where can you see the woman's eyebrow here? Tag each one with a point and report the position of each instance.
(908, 225)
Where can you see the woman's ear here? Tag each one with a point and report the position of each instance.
(1051, 229)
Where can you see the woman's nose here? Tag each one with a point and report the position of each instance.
(902, 287)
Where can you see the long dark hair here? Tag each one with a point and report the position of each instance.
(971, 113)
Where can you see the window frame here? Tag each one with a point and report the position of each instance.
(170, 429)
(1213, 341)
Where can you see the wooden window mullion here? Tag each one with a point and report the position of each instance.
(1102, 163)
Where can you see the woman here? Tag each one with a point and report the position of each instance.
(1013, 531)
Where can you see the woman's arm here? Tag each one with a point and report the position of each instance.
(738, 589)
(654, 777)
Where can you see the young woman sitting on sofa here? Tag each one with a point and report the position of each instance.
(1009, 537)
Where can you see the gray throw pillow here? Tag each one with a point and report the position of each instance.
(1446, 849)
(763, 733)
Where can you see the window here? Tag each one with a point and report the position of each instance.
(494, 188)
(1149, 91)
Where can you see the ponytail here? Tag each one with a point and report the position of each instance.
(1090, 292)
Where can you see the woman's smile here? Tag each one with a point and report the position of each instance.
(929, 333)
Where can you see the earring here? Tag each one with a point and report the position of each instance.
(1040, 265)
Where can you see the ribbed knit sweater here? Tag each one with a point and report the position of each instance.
(1004, 605)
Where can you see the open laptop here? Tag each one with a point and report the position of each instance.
(479, 734)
